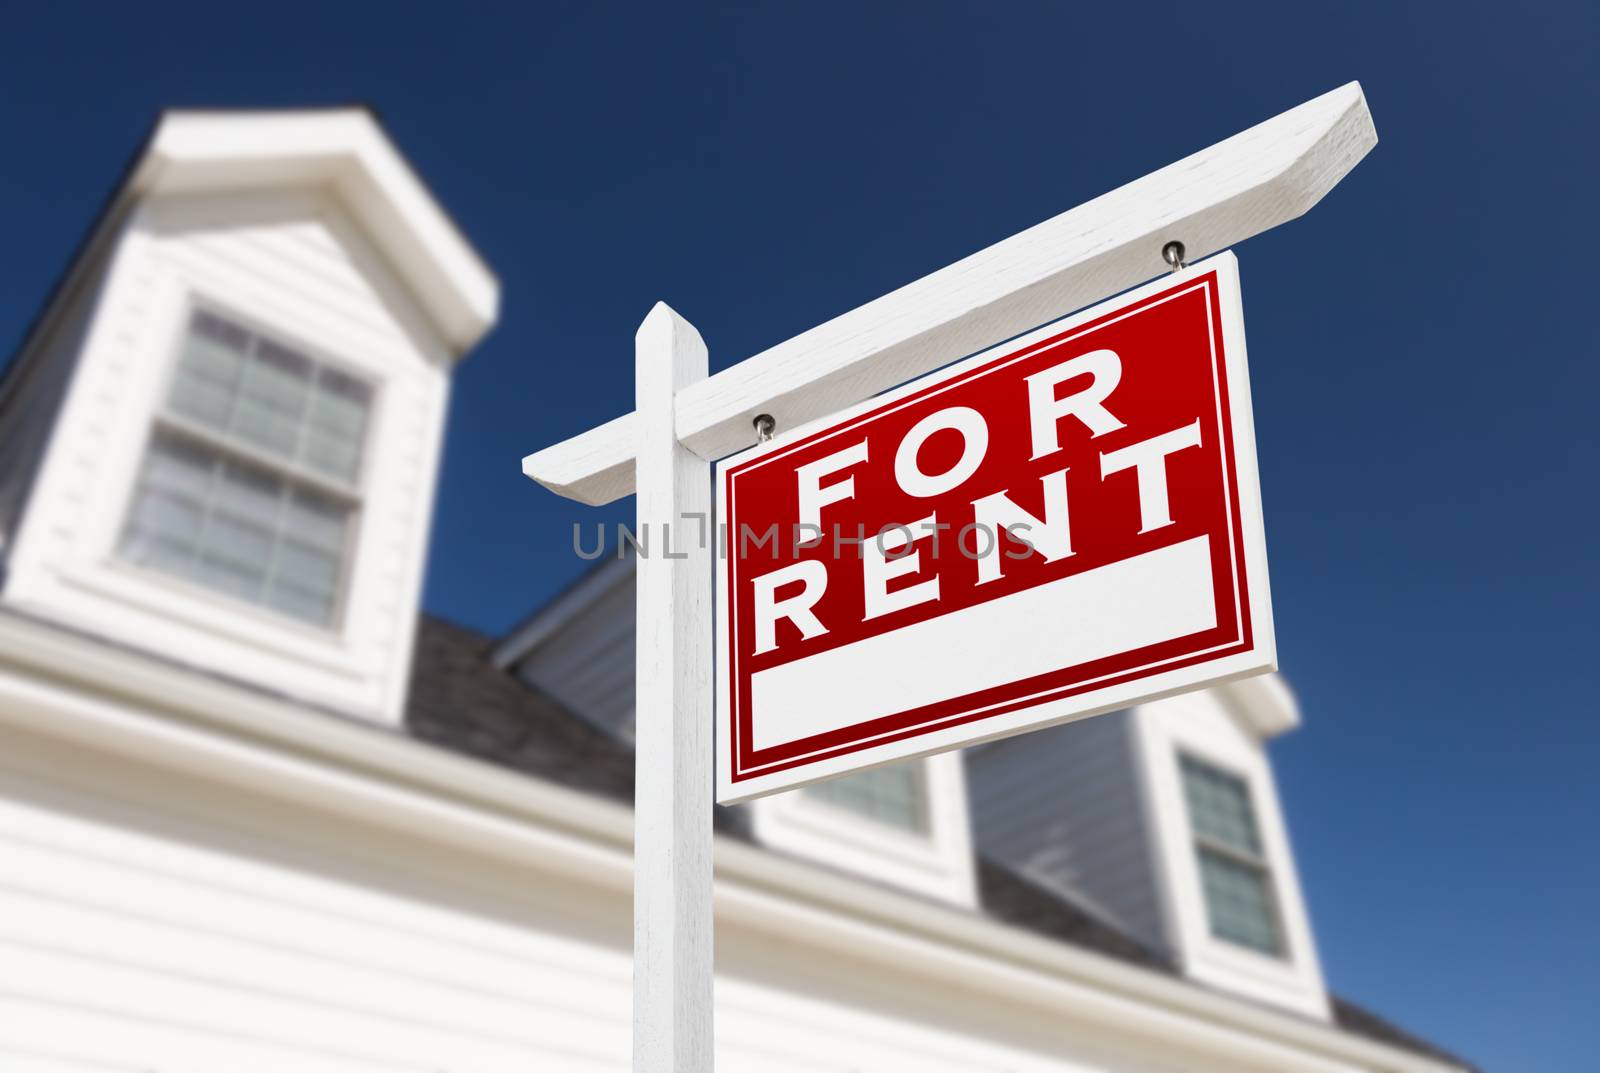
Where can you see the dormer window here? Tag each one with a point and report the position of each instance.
(249, 483)
(1234, 873)
(895, 795)
(905, 824)
(234, 403)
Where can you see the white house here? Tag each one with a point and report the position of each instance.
(258, 814)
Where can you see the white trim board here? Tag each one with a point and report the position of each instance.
(70, 688)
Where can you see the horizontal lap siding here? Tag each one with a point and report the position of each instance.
(1063, 805)
(31, 394)
(294, 267)
(587, 665)
(158, 924)
(234, 950)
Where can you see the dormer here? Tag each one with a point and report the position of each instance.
(1233, 912)
(1164, 821)
(905, 825)
(221, 437)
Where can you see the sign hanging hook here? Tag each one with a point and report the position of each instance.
(1173, 253)
(764, 424)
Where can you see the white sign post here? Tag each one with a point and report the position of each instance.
(685, 420)
(672, 737)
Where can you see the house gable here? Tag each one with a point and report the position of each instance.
(313, 588)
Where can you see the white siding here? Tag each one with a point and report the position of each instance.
(587, 664)
(1063, 806)
(583, 657)
(152, 922)
(32, 391)
(1208, 726)
(291, 265)
(183, 929)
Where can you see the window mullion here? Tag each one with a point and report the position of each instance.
(213, 491)
(237, 387)
(303, 419)
(279, 529)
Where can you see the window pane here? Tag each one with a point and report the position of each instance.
(894, 795)
(208, 371)
(250, 529)
(249, 493)
(318, 520)
(236, 543)
(311, 606)
(1219, 807)
(163, 526)
(238, 528)
(1239, 902)
(241, 544)
(161, 532)
(168, 519)
(180, 467)
(232, 574)
(271, 398)
(1233, 871)
(338, 424)
(308, 568)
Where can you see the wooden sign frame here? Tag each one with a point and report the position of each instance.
(1211, 200)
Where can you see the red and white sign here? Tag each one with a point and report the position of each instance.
(1062, 525)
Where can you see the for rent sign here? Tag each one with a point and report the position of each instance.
(1062, 525)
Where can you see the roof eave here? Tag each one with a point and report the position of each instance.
(1264, 704)
(344, 149)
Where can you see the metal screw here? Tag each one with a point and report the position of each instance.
(764, 425)
(1172, 253)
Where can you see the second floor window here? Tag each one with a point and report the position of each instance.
(1234, 873)
(249, 484)
(895, 795)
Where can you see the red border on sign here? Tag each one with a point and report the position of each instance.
(1224, 640)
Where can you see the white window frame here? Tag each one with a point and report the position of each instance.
(171, 255)
(1261, 863)
(936, 862)
(161, 418)
(1203, 725)
(923, 805)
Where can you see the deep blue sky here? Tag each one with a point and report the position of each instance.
(1425, 369)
